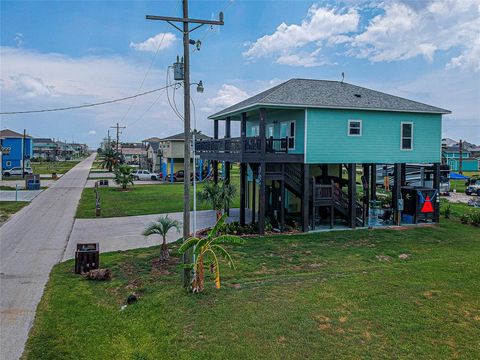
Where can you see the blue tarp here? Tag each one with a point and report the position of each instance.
(455, 176)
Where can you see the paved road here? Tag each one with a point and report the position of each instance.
(31, 242)
(124, 233)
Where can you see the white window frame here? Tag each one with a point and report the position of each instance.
(354, 121)
(288, 131)
(268, 127)
(401, 135)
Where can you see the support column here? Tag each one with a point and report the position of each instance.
(227, 163)
(436, 186)
(282, 200)
(261, 197)
(215, 162)
(366, 189)
(403, 174)
(396, 194)
(254, 199)
(352, 198)
(171, 170)
(373, 182)
(243, 176)
(306, 198)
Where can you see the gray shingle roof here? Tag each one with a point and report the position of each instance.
(180, 137)
(328, 94)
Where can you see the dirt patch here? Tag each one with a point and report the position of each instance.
(384, 258)
(164, 267)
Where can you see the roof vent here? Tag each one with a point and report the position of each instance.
(358, 95)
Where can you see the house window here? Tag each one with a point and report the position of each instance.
(406, 136)
(255, 130)
(288, 129)
(8, 163)
(354, 127)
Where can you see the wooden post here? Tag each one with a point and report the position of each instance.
(227, 163)
(263, 145)
(366, 190)
(243, 131)
(403, 174)
(243, 176)
(397, 194)
(282, 200)
(306, 198)
(373, 182)
(352, 192)
(254, 199)
(436, 186)
(215, 162)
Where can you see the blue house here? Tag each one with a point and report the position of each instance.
(302, 144)
(15, 149)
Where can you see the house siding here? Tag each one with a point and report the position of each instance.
(328, 141)
(14, 159)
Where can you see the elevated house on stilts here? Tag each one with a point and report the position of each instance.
(310, 151)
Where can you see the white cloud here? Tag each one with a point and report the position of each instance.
(401, 31)
(319, 25)
(227, 95)
(27, 86)
(18, 39)
(160, 41)
(92, 132)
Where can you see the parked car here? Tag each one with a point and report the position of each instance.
(145, 175)
(17, 171)
(473, 188)
(180, 176)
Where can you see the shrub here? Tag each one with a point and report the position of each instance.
(447, 212)
(464, 218)
(475, 218)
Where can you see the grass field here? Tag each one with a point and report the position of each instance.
(59, 167)
(8, 208)
(139, 200)
(314, 296)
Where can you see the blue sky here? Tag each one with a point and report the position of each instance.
(58, 54)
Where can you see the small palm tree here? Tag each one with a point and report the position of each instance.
(218, 196)
(123, 176)
(161, 227)
(207, 251)
(109, 159)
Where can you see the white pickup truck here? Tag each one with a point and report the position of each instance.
(145, 175)
(17, 171)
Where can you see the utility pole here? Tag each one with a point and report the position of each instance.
(118, 127)
(461, 158)
(186, 113)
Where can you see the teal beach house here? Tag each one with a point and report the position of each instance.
(309, 148)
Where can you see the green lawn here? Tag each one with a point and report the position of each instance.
(59, 167)
(139, 200)
(8, 208)
(315, 296)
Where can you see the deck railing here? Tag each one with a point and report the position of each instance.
(238, 145)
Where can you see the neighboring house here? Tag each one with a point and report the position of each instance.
(134, 155)
(65, 151)
(469, 162)
(44, 148)
(154, 156)
(172, 149)
(16, 149)
(303, 141)
(79, 149)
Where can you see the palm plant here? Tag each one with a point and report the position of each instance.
(207, 251)
(161, 227)
(109, 159)
(218, 196)
(123, 176)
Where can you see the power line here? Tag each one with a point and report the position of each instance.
(85, 105)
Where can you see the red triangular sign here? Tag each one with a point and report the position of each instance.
(427, 206)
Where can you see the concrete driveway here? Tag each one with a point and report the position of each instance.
(31, 242)
(124, 233)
